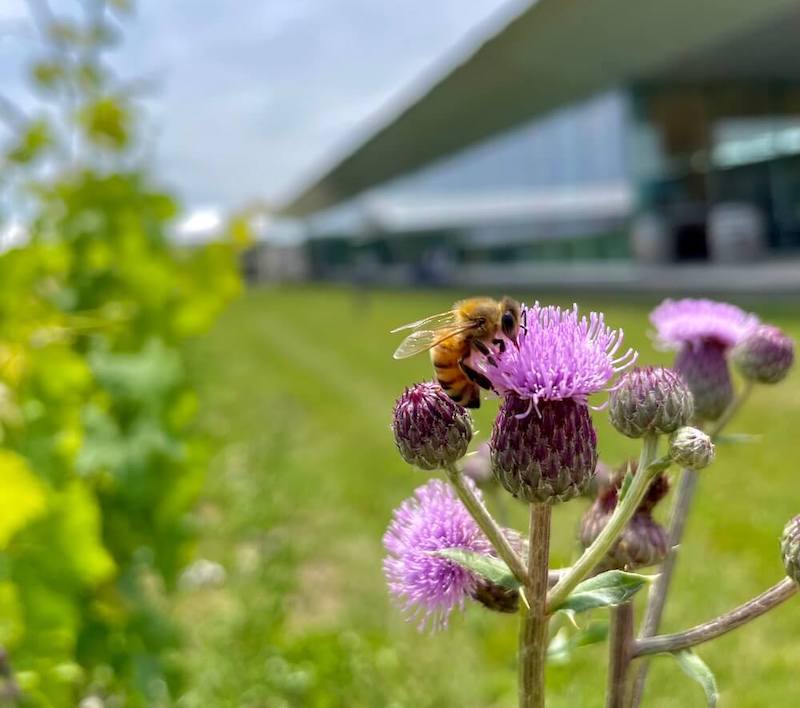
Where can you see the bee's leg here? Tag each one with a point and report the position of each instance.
(483, 349)
(474, 400)
(500, 344)
(523, 325)
(475, 376)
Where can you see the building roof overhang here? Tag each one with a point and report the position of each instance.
(551, 54)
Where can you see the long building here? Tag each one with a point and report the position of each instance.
(632, 133)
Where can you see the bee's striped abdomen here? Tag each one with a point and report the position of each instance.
(446, 358)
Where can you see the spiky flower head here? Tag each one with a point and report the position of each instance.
(698, 322)
(692, 448)
(430, 429)
(477, 466)
(790, 549)
(547, 455)
(765, 355)
(703, 331)
(559, 355)
(643, 541)
(650, 400)
(428, 587)
(543, 445)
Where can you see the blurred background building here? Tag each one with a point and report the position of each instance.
(669, 134)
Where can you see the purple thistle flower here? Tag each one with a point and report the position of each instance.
(697, 322)
(559, 355)
(544, 448)
(703, 331)
(427, 586)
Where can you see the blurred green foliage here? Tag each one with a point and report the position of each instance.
(99, 466)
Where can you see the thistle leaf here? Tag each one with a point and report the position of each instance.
(564, 644)
(613, 587)
(694, 667)
(489, 567)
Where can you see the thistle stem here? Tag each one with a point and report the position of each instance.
(533, 628)
(680, 513)
(658, 595)
(620, 653)
(608, 536)
(487, 524)
(763, 603)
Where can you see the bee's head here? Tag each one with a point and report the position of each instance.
(485, 317)
(509, 318)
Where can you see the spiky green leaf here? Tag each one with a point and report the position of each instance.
(489, 567)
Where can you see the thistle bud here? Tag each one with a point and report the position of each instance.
(643, 541)
(652, 400)
(430, 429)
(543, 455)
(765, 356)
(692, 448)
(705, 370)
(790, 549)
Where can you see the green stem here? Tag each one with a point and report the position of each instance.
(620, 653)
(682, 505)
(608, 536)
(487, 524)
(533, 627)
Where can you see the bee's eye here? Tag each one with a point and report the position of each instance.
(508, 323)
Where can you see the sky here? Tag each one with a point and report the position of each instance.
(252, 99)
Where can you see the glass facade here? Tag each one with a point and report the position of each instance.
(573, 151)
(698, 150)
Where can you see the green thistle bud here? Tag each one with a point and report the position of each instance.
(652, 400)
(790, 549)
(692, 448)
(430, 429)
(765, 356)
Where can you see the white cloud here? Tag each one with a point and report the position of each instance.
(253, 97)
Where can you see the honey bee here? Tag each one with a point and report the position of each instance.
(451, 336)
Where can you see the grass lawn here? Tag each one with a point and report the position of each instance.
(298, 386)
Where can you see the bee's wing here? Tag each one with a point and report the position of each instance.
(434, 322)
(424, 339)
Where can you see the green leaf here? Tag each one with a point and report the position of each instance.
(489, 567)
(33, 141)
(564, 644)
(694, 667)
(613, 587)
(24, 497)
